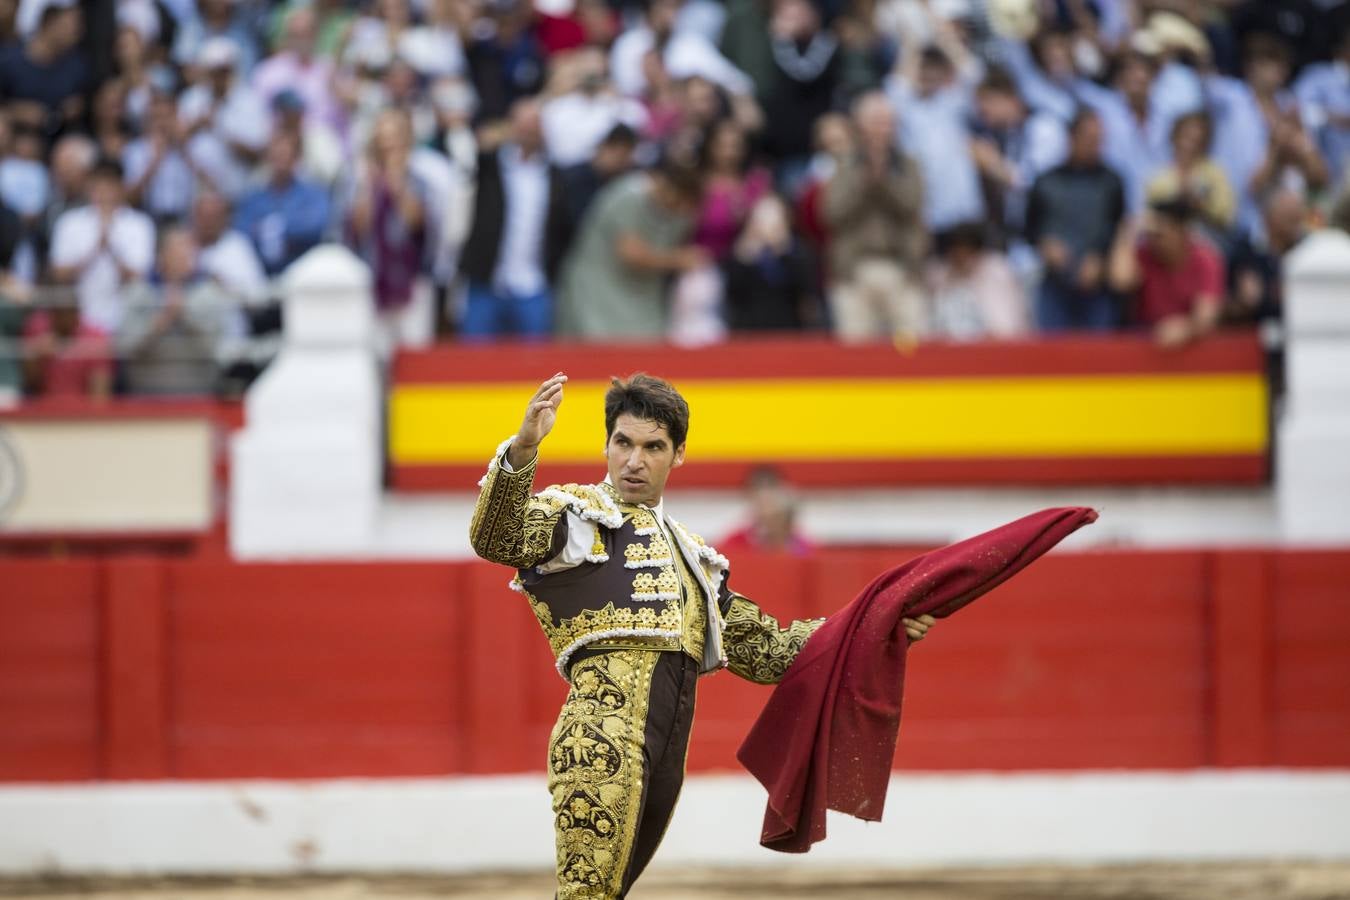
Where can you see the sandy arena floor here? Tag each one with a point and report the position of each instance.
(1238, 881)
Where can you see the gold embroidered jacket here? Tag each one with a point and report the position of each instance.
(599, 572)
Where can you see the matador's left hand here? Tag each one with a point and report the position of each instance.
(917, 628)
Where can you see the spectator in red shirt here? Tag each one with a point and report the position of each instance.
(772, 524)
(66, 357)
(1175, 274)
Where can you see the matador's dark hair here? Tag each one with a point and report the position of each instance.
(645, 396)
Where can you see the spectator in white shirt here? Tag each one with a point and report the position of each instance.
(585, 110)
(225, 254)
(227, 122)
(101, 246)
(432, 50)
(683, 53)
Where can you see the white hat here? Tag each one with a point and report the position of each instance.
(1174, 32)
(217, 52)
(30, 12)
(1017, 19)
(369, 51)
(140, 16)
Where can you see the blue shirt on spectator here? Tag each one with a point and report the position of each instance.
(1240, 138)
(1038, 90)
(1324, 92)
(23, 79)
(934, 131)
(283, 222)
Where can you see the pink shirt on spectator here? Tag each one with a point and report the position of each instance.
(312, 81)
(725, 207)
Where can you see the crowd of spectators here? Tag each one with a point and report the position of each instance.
(681, 170)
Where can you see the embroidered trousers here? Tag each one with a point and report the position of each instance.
(616, 765)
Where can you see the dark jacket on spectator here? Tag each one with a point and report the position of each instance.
(807, 78)
(502, 74)
(772, 293)
(1080, 206)
(479, 258)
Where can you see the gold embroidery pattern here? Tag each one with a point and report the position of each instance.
(509, 526)
(635, 555)
(649, 588)
(644, 523)
(757, 649)
(597, 554)
(591, 625)
(653, 555)
(595, 771)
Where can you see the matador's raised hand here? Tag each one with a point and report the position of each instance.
(540, 416)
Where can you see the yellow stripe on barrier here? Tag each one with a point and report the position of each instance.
(803, 419)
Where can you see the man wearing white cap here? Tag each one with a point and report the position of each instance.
(224, 112)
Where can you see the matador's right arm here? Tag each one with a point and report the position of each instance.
(509, 525)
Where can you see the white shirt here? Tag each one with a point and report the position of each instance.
(520, 259)
(433, 51)
(575, 124)
(581, 532)
(687, 54)
(233, 262)
(241, 117)
(25, 185)
(171, 187)
(131, 238)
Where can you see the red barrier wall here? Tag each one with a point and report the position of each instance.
(156, 668)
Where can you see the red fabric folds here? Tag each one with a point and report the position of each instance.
(826, 738)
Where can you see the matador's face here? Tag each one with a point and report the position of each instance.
(640, 457)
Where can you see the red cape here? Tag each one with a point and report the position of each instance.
(826, 738)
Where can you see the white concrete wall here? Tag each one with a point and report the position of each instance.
(471, 824)
(1313, 459)
(436, 526)
(306, 468)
